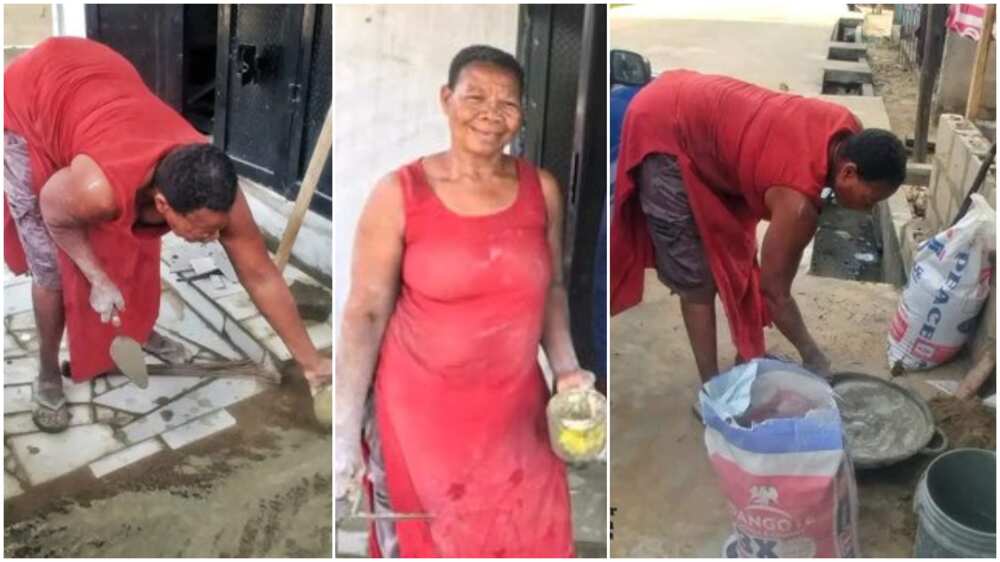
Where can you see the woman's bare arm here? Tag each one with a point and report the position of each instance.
(556, 338)
(375, 271)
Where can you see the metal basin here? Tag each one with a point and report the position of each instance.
(884, 423)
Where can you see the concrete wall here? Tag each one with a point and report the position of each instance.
(390, 63)
(959, 152)
(23, 26)
(956, 72)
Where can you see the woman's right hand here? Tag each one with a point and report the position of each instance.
(106, 300)
(348, 467)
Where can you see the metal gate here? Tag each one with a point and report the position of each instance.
(563, 50)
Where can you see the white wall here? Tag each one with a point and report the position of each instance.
(390, 62)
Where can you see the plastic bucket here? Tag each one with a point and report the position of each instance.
(956, 506)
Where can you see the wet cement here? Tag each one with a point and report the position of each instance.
(879, 423)
(262, 488)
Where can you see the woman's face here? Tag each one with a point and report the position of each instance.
(484, 108)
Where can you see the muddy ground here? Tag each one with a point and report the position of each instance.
(261, 488)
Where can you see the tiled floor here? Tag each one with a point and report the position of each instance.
(113, 422)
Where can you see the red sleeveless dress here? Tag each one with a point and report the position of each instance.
(459, 395)
(71, 96)
(724, 133)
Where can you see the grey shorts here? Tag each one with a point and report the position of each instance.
(39, 248)
(681, 262)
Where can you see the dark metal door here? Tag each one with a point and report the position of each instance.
(258, 88)
(563, 50)
(274, 88)
(151, 37)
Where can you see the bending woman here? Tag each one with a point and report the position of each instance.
(456, 280)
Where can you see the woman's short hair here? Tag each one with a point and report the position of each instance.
(879, 155)
(487, 55)
(197, 176)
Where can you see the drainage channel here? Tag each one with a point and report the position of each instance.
(846, 244)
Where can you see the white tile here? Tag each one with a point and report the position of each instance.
(80, 414)
(17, 399)
(238, 306)
(198, 429)
(184, 321)
(19, 371)
(45, 456)
(241, 339)
(17, 297)
(11, 487)
(100, 386)
(160, 391)
(11, 348)
(195, 299)
(210, 290)
(22, 321)
(77, 393)
(125, 457)
(258, 328)
(217, 394)
(321, 334)
(114, 381)
(277, 347)
(103, 415)
(18, 423)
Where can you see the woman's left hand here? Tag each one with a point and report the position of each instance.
(577, 379)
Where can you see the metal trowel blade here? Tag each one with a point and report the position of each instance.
(130, 360)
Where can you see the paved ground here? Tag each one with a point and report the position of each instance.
(769, 43)
(663, 489)
(234, 463)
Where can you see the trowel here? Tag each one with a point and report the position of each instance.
(128, 356)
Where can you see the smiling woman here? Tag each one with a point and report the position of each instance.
(456, 281)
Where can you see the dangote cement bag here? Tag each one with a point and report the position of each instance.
(775, 439)
(949, 283)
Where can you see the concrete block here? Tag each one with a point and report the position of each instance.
(847, 72)
(107, 465)
(842, 50)
(948, 125)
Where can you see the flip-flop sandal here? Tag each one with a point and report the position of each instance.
(50, 418)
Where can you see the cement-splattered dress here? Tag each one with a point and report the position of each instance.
(459, 395)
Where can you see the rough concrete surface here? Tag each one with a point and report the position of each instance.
(260, 489)
(666, 496)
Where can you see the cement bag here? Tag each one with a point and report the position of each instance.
(775, 439)
(949, 283)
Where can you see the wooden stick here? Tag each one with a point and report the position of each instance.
(309, 183)
(977, 375)
(975, 100)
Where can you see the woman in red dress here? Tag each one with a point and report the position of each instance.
(456, 281)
